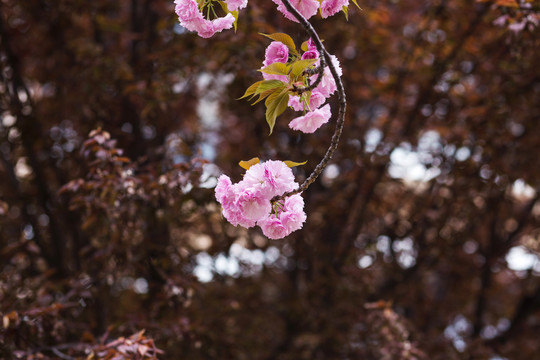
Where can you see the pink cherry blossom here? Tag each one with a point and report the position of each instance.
(295, 103)
(272, 177)
(312, 120)
(280, 176)
(272, 228)
(188, 13)
(311, 54)
(316, 99)
(234, 215)
(207, 28)
(192, 19)
(311, 44)
(307, 8)
(336, 64)
(327, 86)
(276, 52)
(331, 7)
(223, 190)
(248, 202)
(294, 203)
(187, 10)
(232, 209)
(288, 217)
(294, 216)
(253, 204)
(235, 4)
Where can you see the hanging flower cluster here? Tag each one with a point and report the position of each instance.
(195, 15)
(309, 8)
(248, 202)
(202, 16)
(293, 78)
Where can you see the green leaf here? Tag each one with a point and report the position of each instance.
(276, 68)
(247, 164)
(304, 46)
(346, 12)
(269, 84)
(272, 97)
(293, 164)
(265, 94)
(251, 90)
(264, 88)
(269, 90)
(299, 66)
(355, 3)
(235, 23)
(285, 39)
(275, 106)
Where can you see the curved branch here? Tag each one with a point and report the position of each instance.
(325, 61)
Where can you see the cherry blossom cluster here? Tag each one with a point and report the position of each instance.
(248, 202)
(309, 8)
(259, 198)
(310, 102)
(195, 15)
(202, 17)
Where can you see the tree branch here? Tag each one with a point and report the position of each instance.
(325, 58)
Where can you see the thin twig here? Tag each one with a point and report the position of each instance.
(319, 70)
(325, 58)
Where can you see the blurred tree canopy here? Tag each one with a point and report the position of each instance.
(423, 235)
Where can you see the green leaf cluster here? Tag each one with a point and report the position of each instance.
(276, 92)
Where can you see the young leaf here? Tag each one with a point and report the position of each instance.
(268, 87)
(272, 97)
(269, 84)
(266, 93)
(276, 68)
(346, 12)
(275, 105)
(251, 90)
(247, 164)
(285, 39)
(293, 164)
(299, 66)
(235, 23)
(355, 3)
(223, 6)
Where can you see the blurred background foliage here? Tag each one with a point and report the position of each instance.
(423, 235)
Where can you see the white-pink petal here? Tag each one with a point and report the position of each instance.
(312, 120)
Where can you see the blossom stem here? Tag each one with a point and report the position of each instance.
(341, 95)
(313, 71)
(309, 72)
(318, 43)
